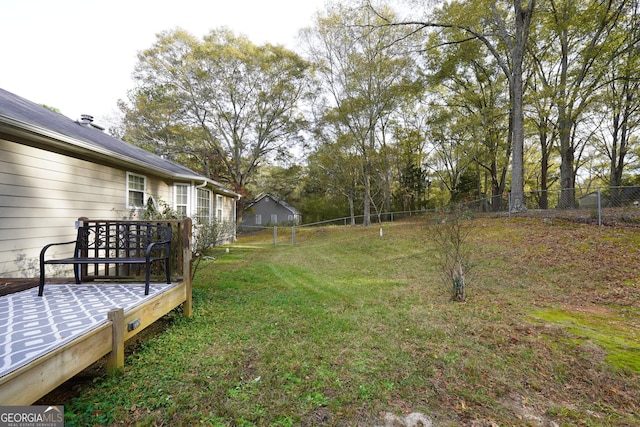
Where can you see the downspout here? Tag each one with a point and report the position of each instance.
(235, 219)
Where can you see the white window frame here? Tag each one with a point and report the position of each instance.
(219, 208)
(258, 219)
(176, 204)
(129, 190)
(199, 207)
(274, 218)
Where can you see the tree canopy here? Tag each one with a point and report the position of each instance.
(473, 99)
(221, 104)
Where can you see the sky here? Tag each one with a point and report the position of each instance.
(78, 56)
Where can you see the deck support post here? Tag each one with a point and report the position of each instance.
(187, 309)
(115, 359)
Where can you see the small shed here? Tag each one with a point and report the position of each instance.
(270, 210)
(589, 201)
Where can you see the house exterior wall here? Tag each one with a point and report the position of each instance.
(43, 193)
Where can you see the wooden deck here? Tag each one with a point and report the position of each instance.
(46, 340)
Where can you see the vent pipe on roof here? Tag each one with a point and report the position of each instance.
(86, 119)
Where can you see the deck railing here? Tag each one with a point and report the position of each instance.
(181, 237)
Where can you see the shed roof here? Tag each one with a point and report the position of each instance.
(35, 124)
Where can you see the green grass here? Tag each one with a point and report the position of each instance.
(345, 326)
(611, 333)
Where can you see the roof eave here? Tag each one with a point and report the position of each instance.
(44, 138)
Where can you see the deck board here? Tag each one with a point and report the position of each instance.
(32, 326)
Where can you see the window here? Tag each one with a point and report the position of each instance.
(274, 218)
(258, 219)
(135, 190)
(290, 218)
(204, 206)
(181, 200)
(219, 201)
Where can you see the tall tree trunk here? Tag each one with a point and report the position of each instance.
(543, 201)
(517, 164)
(366, 220)
(614, 170)
(522, 23)
(567, 177)
(352, 210)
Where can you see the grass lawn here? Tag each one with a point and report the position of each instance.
(347, 326)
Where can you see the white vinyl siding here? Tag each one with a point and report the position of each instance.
(43, 193)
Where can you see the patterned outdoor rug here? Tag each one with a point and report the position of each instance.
(31, 326)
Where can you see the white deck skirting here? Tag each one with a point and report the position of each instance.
(32, 326)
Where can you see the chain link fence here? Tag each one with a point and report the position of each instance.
(596, 206)
(600, 205)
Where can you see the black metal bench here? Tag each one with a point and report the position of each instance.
(105, 246)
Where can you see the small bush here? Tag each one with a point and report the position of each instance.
(451, 236)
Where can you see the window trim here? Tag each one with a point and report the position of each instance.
(128, 190)
(198, 206)
(219, 207)
(187, 206)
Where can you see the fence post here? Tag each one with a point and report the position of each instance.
(293, 235)
(599, 208)
(275, 235)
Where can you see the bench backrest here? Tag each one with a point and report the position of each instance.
(122, 239)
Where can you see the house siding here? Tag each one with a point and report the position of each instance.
(42, 194)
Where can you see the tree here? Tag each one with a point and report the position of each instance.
(410, 162)
(363, 78)
(581, 44)
(472, 89)
(48, 107)
(222, 102)
(541, 116)
(623, 98)
(449, 158)
(282, 182)
(338, 171)
(503, 27)
(451, 236)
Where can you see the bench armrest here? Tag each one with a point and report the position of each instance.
(53, 244)
(152, 244)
